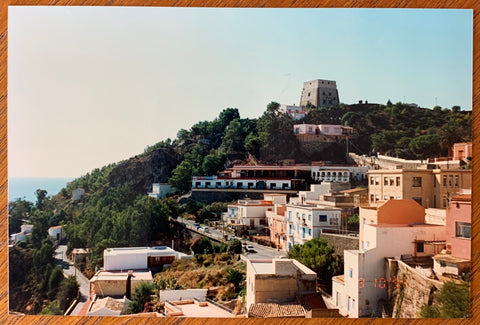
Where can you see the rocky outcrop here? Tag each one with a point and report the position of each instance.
(142, 171)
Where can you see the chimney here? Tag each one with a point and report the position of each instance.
(129, 285)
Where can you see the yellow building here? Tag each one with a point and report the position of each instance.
(432, 188)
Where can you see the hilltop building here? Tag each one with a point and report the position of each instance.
(319, 93)
(295, 112)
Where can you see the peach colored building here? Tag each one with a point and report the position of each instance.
(389, 212)
(456, 258)
(461, 150)
(432, 188)
(277, 225)
(395, 229)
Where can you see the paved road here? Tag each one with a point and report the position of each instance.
(68, 269)
(261, 252)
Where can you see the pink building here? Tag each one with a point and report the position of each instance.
(456, 258)
(277, 225)
(462, 150)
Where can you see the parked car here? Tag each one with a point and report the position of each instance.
(196, 225)
(249, 249)
(204, 229)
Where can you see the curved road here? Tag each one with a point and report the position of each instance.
(68, 269)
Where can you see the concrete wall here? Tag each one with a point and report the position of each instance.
(415, 293)
(113, 287)
(341, 242)
(176, 295)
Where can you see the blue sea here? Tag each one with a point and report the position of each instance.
(24, 188)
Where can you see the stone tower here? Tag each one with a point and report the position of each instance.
(320, 93)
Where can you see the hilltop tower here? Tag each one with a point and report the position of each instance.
(320, 93)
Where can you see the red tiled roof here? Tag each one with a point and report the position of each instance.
(269, 310)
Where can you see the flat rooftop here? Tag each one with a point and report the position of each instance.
(193, 308)
(142, 275)
(138, 250)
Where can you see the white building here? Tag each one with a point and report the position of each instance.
(295, 112)
(137, 258)
(160, 190)
(252, 213)
(57, 233)
(339, 173)
(25, 230)
(317, 190)
(305, 222)
(362, 289)
(214, 182)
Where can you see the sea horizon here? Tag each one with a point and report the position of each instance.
(25, 187)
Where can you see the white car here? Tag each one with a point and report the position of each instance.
(250, 249)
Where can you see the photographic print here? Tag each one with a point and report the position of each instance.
(239, 162)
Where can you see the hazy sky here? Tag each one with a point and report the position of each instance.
(88, 86)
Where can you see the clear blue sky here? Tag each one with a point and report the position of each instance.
(93, 85)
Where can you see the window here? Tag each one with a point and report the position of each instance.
(377, 197)
(333, 221)
(323, 217)
(372, 180)
(462, 229)
(309, 217)
(303, 216)
(362, 245)
(350, 272)
(289, 215)
(450, 180)
(420, 247)
(417, 199)
(372, 198)
(444, 180)
(456, 180)
(417, 182)
(392, 181)
(398, 181)
(363, 222)
(385, 197)
(377, 180)
(385, 181)
(309, 232)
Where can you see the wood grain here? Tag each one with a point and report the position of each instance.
(5, 318)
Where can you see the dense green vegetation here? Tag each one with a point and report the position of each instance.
(109, 216)
(116, 217)
(319, 257)
(35, 283)
(452, 301)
